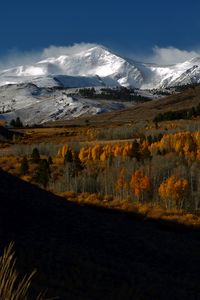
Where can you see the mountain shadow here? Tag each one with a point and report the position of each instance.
(82, 252)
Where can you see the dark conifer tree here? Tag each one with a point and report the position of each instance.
(24, 167)
(135, 150)
(43, 173)
(50, 161)
(68, 157)
(35, 156)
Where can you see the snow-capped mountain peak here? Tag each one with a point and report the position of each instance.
(30, 91)
(95, 61)
(104, 67)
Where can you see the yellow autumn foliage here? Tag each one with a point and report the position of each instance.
(173, 191)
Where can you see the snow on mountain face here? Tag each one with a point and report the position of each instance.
(97, 66)
(179, 74)
(97, 62)
(33, 92)
(36, 105)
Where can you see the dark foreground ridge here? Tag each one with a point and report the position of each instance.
(85, 253)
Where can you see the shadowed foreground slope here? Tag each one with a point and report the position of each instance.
(88, 253)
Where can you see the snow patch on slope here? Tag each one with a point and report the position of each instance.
(36, 105)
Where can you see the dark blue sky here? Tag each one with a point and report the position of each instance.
(126, 26)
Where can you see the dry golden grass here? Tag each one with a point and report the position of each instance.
(2, 123)
(183, 218)
(149, 211)
(47, 134)
(10, 164)
(26, 178)
(11, 287)
(68, 195)
(58, 161)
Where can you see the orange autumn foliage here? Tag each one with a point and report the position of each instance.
(173, 189)
(103, 152)
(83, 154)
(62, 151)
(95, 152)
(139, 183)
(184, 143)
(121, 183)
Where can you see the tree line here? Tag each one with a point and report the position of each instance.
(121, 93)
(177, 115)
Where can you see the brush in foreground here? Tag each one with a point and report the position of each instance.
(11, 287)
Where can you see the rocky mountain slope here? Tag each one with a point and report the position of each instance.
(35, 105)
(37, 93)
(99, 66)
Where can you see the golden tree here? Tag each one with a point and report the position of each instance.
(117, 150)
(140, 184)
(173, 191)
(96, 152)
(121, 185)
(83, 154)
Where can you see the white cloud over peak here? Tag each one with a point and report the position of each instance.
(171, 55)
(16, 58)
(55, 51)
(159, 55)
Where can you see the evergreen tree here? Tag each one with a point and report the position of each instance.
(12, 123)
(24, 167)
(146, 154)
(73, 164)
(198, 109)
(149, 139)
(16, 123)
(191, 113)
(35, 156)
(77, 164)
(42, 175)
(50, 161)
(68, 156)
(135, 150)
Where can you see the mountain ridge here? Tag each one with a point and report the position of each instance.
(112, 69)
(41, 92)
